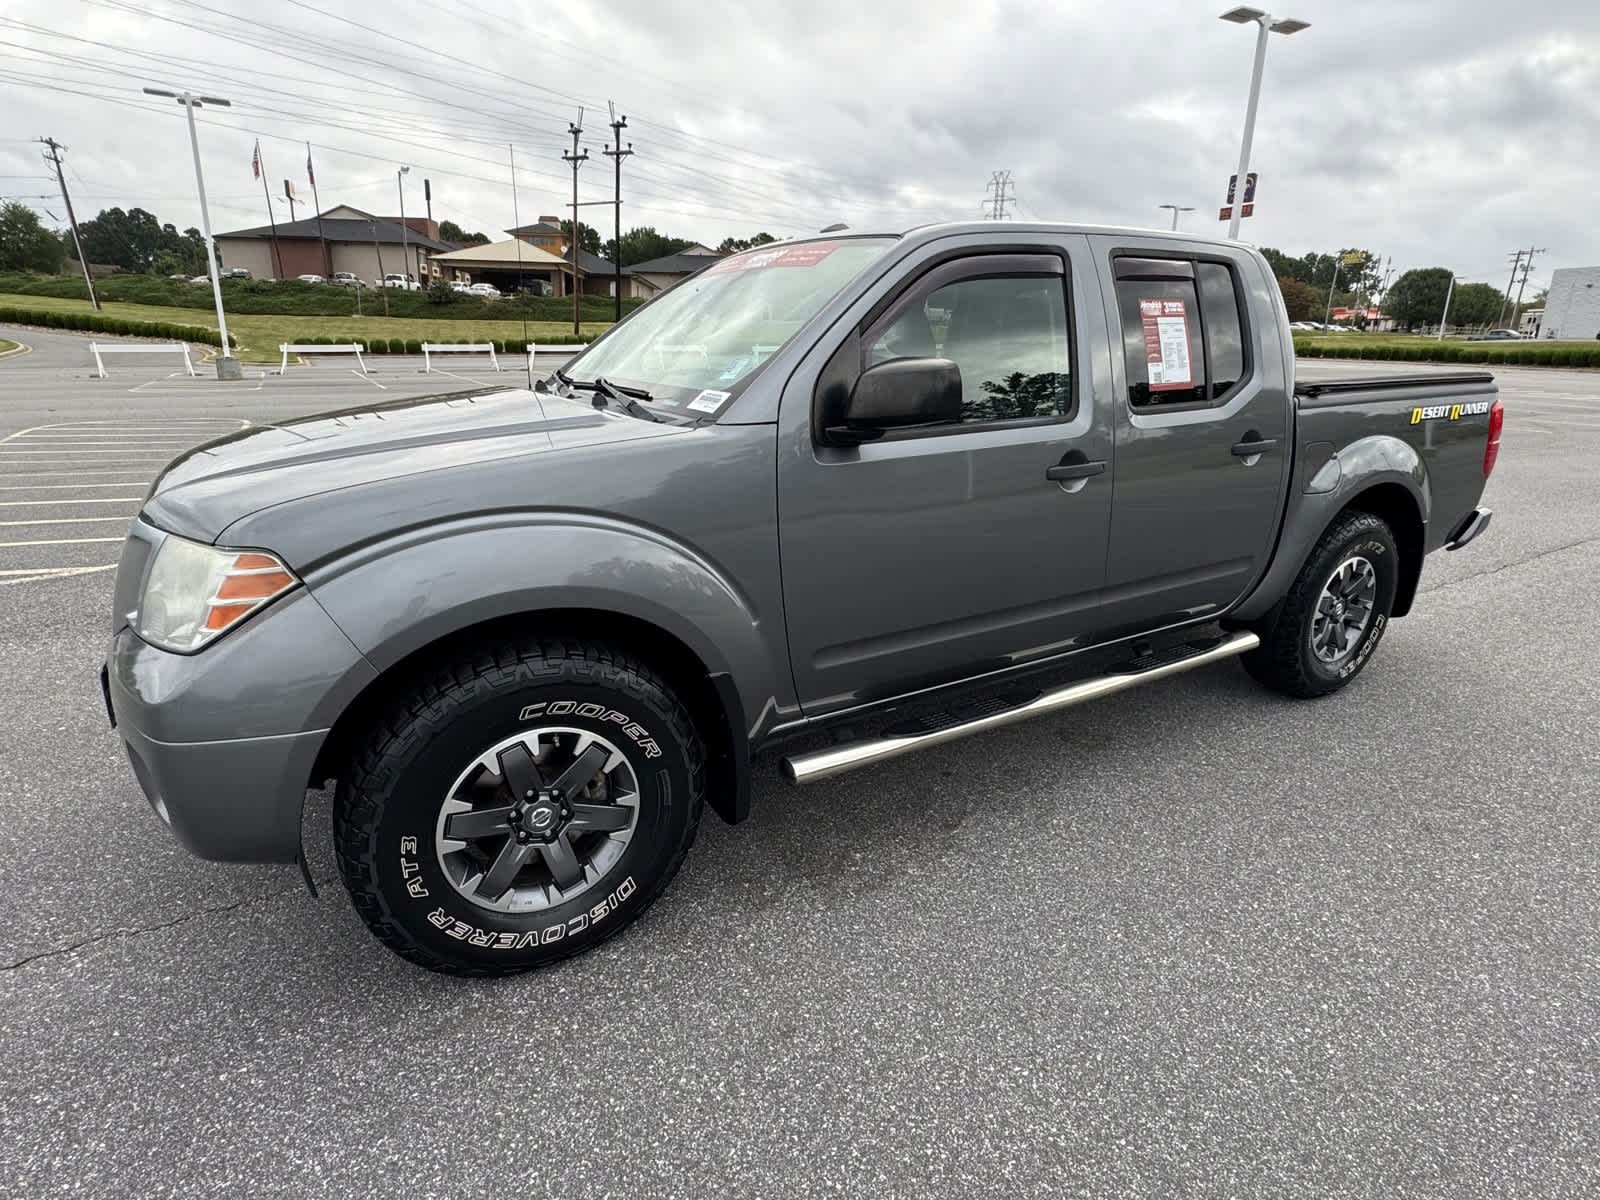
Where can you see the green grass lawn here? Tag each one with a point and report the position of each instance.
(260, 336)
(1415, 340)
(5, 345)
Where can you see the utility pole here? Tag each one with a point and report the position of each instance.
(1527, 269)
(1337, 258)
(327, 258)
(405, 240)
(54, 157)
(577, 160)
(227, 365)
(427, 198)
(1516, 264)
(998, 187)
(378, 250)
(616, 155)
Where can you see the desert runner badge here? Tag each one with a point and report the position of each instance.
(709, 401)
(1453, 412)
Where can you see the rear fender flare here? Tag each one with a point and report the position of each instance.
(1363, 465)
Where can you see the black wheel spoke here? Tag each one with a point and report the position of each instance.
(599, 818)
(584, 768)
(504, 869)
(520, 771)
(563, 863)
(481, 822)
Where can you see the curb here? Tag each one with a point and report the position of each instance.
(19, 349)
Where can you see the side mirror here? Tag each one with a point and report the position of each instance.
(899, 394)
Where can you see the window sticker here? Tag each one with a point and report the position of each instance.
(709, 401)
(806, 254)
(1166, 343)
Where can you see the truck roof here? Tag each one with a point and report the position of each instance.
(941, 228)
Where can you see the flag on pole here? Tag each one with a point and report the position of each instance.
(311, 177)
(255, 162)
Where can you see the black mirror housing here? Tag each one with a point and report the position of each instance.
(899, 394)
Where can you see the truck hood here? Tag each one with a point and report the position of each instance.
(205, 490)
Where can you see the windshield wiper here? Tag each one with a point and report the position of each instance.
(612, 395)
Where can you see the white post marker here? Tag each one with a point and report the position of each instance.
(533, 348)
(429, 348)
(289, 348)
(99, 348)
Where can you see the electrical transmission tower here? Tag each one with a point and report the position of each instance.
(1000, 195)
(53, 157)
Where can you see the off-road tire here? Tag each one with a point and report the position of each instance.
(389, 800)
(1285, 661)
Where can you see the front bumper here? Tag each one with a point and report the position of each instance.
(223, 742)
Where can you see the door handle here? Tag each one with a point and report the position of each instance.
(1257, 446)
(1062, 472)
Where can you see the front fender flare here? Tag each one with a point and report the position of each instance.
(1364, 464)
(395, 597)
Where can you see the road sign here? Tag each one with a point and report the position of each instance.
(1227, 211)
(1249, 209)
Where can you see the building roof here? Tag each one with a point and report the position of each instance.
(342, 229)
(510, 252)
(540, 226)
(683, 263)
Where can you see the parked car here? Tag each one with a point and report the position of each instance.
(200, 279)
(406, 282)
(311, 279)
(347, 279)
(457, 285)
(528, 681)
(1497, 335)
(237, 273)
(486, 290)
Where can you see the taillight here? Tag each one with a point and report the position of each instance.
(1497, 419)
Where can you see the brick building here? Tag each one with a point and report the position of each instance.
(368, 246)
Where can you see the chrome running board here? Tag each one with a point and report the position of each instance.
(835, 760)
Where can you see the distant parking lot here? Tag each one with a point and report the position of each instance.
(1195, 940)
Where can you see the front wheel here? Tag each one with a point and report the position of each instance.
(1335, 612)
(522, 805)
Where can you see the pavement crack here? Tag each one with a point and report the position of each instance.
(1521, 562)
(143, 930)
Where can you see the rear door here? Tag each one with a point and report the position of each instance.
(940, 553)
(1202, 430)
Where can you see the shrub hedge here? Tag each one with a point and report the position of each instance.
(291, 298)
(93, 322)
(1486, 353)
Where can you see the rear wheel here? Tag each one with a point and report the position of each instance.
(1335, 612)
(521, 806)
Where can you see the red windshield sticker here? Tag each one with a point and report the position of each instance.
(1166, 343)
(806, 254)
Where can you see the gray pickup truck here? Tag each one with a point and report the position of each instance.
(857, 494)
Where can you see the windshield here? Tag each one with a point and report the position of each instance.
(695, 344)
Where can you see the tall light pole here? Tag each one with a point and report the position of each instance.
(1176, 209)
(1266, 23)
(405, 242)
(227, 365)
(1445, 316)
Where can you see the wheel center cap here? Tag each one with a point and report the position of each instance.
(1338, 607)
(540, 818)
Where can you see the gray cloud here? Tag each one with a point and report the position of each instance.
(1435, 131)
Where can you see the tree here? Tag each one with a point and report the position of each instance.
(1302, 300)
(588, 238)
(451, 232)
(131, 240)
(1475, 304)
(1417, 297)
(732, 245)
(25, 244)
(643, 244)
(181, 253)
(1361, 276)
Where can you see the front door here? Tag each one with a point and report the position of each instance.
(940, 553)
(1202, 434)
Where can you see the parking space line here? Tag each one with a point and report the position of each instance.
(65, 487)
(52, 501)
(35, 574)
(64, 542)
(15, 449)
(69, 520)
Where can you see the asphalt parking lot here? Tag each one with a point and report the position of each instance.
(1195, 940)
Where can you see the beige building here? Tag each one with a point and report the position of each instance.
(340, 239)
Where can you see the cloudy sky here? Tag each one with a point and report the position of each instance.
(1438, 132)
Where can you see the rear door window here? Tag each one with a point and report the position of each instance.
(1182, 331)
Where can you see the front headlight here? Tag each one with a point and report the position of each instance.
(195, 593)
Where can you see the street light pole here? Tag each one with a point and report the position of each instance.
(405, 242)
(1176, 209)
(1445, 316)
(227, 365)
(1266, 23)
